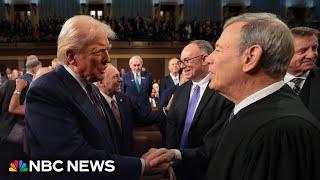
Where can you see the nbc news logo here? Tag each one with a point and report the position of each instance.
(18, 166)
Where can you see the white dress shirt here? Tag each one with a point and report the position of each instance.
(288, 77)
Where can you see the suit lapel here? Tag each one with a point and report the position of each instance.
(203, 102)
(305, 91)
(84, 104)
(170, 81)
(314, 90)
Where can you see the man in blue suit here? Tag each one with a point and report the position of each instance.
(65, 118)
(137, 84)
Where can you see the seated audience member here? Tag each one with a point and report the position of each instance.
(154, 97)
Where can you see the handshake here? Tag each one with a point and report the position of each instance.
(159, 161)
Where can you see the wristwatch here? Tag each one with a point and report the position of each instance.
(17, 92)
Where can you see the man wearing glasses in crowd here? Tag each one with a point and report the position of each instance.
(195, 110)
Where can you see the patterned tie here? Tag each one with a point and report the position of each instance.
(95, 101)
(296, 88)
(116, 112)
(136, 79)
(190, 113)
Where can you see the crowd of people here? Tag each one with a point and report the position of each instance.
(127, 29)
(247, 108)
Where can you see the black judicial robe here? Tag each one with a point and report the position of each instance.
(275, 138)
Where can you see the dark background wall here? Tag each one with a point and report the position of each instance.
(202, 9)
(1, 9)
(60, 8)
(272, 6)
(130, 8)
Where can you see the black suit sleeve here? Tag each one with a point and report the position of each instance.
(200, 156)
(55, 128)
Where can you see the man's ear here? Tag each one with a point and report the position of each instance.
(70, 56)
(252, 56)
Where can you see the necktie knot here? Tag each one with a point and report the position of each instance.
(296, 87)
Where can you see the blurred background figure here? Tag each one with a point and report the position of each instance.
(55, 63)
(173, 78)
(32, 66)
(137, 84)
(154, 97)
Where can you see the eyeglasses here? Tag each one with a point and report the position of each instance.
(187, 60)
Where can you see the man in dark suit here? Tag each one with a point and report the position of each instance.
(172, 79)
(32, 66)
(65, 118)
(302, 75)
(125, 113)
(195, 114)
(137, 84)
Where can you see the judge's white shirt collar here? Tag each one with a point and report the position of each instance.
(258, 95)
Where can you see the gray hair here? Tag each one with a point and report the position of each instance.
(274, 37)
(79, 31)
(203, 45)
(32, 61)
(135, 57)
(304, 31)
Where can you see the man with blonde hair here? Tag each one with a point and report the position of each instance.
(65, 118)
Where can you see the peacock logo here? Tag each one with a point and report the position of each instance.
(18, 166)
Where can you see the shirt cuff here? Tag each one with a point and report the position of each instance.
(177, 154)
(142, 166)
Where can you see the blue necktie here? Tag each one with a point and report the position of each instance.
(231, 115)
(191, 110)
(136, 79)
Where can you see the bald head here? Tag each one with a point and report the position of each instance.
(110, 84)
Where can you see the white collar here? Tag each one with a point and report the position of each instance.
(204, 81)
(258, 95)
(288, 77)
(76, 77)
(108, 98)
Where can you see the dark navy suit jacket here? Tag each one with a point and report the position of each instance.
(62, 123)
(128, 88)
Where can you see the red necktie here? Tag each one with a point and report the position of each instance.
(116, 112)
(95, 101)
